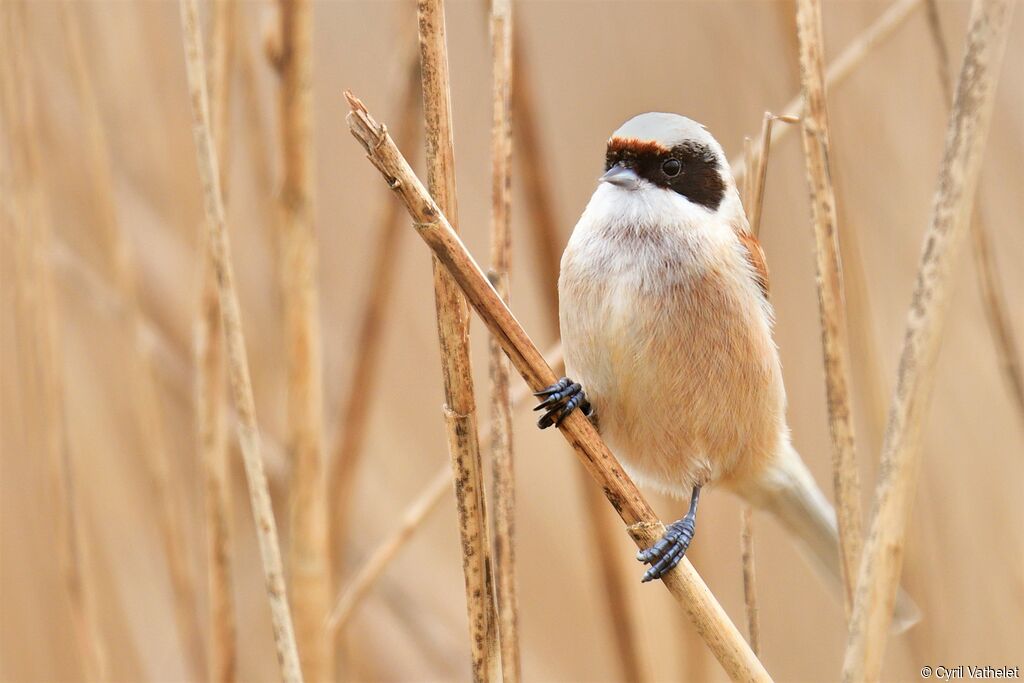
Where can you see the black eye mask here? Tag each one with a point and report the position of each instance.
(690, 168)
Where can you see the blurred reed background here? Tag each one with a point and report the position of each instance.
(105, 288)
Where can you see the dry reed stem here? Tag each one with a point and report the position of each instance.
(238, 364)
(749, 578)
(145, 391)
(209, 374)
(366, 353)
(308, 548)
(38, 306)
(993, 295)
(901, 454)
(453, 335)
(849, 59)
(831, 295)
(502, 455)
(416, 513)
(683, 582)
(548, 248)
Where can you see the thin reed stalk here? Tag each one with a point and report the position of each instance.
(308, 548)
(453, 334)
(881, 564)
(209, 372)
(502, 454)
(38, 309)
(831, 294)
(749, 579)
(683, 582)
(366, 353)
(416, 513)
(146, 396)
(993, 296)
(852, 56)
(238, 364)
(542, 219)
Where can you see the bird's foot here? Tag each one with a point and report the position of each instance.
(666, 553)
(560, 399)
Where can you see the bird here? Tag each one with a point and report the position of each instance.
(667, 332)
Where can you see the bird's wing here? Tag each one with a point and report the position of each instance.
(756, 257)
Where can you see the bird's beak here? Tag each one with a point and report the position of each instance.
(621, 176)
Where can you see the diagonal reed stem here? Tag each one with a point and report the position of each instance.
(238, 364)
(993, 296)
(881, 564)
(683, 582)
(209, 373)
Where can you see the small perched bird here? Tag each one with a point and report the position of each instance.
(667, 331)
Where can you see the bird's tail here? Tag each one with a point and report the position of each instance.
(788, 491)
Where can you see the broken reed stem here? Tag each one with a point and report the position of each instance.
(146, 396)
(238, 364)
(849, 59)
(308, 562)
(37, 306)
(880, 566)
(416, 513)
(683, 582)
(209, 374)
(453, 335)
(993, 295)
(355, 406)
(831, 294)
(502, 455)
(542, 219)
(749, 578)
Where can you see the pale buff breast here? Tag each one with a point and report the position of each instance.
(672, 343)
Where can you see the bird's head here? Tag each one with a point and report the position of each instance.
(656, 152)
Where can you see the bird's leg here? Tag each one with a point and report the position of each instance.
(666, 553)
(560, 399)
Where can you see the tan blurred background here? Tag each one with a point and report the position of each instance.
(591, 65)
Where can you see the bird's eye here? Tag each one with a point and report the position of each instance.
(671, 167)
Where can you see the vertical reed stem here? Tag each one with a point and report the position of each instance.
(238, 364)
(453, 333)
(308, 561)
(502, 459)
(831, 297)
(880, 567)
